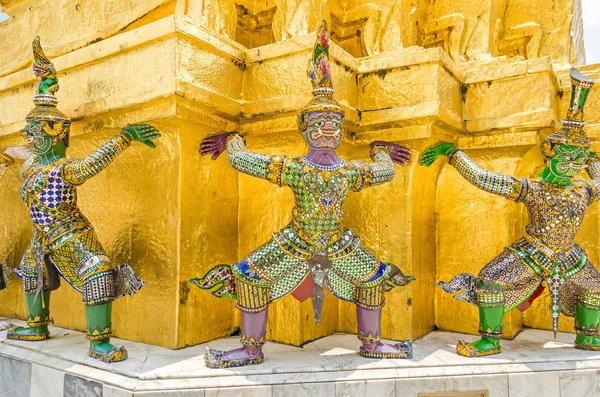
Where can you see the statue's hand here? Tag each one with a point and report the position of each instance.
(214, 145)
(436, 151)
(144, 133)
(398, 153)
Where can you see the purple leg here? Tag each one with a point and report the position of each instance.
(369, 333)
(254, 329)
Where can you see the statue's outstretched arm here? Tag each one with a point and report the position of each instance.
(381, 170)
(593, 167)
(593, 170)
(77, 171)
(493, 182)
(259, 165)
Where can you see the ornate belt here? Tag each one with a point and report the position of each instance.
(56, 233)
(544, 261)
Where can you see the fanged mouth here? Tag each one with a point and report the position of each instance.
(328, 133)
(326, 138)
(570, 167)
(39, 71)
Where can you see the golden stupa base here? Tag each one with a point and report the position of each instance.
(496, 87)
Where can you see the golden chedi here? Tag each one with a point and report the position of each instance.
(411, 74)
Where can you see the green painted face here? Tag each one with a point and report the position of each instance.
(39, 142)
(568, 160)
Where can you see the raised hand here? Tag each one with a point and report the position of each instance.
(144, 133)
(214, 145)
(398, 153)
(436, 151)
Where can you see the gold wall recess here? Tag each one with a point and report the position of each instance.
(476, 393)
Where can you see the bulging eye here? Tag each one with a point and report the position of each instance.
(336, 124)
(320, 124)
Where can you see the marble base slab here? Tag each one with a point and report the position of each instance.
(533, 364)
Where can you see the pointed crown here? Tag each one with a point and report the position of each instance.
(45, 102)
(572, 132)
(319, 72)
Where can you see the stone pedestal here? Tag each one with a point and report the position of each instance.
(533, 364)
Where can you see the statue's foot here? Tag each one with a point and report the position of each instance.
(105, 351)
(383, 350)
(233, 358)
(28, 333)
(480, 348)
(587, 342)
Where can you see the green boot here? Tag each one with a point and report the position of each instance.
(586, 327)
(38, 318)
(99, 330)
(490, 329)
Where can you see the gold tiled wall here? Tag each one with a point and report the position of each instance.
(489, 75)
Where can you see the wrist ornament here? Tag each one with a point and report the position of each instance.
(452, 153)
(378, 148)
(124, 138)
(233, 135)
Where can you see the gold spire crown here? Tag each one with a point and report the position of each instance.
(572, 132)
(318, 66)
(45, 102)
(319, 72)
(44, 70)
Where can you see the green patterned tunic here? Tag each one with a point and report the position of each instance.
(282, 263)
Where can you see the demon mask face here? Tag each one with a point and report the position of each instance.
(566, 160)
(322, 129)
(41, 136)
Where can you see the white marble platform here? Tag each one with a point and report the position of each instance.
(531, 365)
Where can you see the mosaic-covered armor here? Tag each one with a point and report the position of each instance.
(63, 241)
(556, 204)
(314, 251)
(50, 194)
(316, 227)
